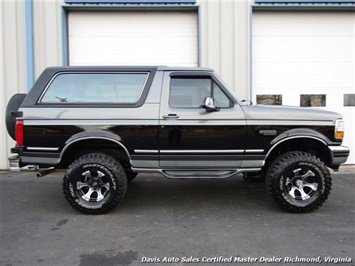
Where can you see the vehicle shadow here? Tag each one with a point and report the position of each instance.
(153, 192)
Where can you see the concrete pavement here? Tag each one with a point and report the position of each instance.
(173, 222)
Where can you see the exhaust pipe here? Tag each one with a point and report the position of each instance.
(45, 172)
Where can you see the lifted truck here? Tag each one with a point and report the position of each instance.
(107, 124)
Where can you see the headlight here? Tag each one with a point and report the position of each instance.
(339, 129)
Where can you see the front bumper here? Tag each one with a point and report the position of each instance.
(339, 155)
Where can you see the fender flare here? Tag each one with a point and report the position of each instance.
(92, 136)
(299, 133)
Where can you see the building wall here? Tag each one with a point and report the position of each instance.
(47, 34)
(13, 64)
(225, 42)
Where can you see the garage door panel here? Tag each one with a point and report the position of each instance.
(302, 49)
(303, 75)
(131, 38)
(298, 53)
(306, 24)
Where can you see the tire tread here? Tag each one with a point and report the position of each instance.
(275, 171)
(110, 163)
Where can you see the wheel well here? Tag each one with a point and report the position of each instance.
(312, 146)
(82, 147)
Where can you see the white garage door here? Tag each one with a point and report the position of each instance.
(133, 38)
(306, 58)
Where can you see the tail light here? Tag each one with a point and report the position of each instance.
(19, 133)
(339, 129)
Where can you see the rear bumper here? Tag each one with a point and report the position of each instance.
(339, 155)
(14, 163)
(42, 159)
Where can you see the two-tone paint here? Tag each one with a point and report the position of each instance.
(154, 137)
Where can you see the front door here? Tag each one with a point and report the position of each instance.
(190, 137)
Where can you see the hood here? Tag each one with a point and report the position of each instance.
(276, 112)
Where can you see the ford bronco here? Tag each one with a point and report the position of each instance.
(107, 124)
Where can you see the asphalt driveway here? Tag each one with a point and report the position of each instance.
(173, 222)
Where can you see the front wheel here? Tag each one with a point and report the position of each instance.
(95, 183)
(298, 182)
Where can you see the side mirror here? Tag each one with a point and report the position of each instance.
(210, 105)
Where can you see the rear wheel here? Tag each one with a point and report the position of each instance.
(95, 183)
(299, 182)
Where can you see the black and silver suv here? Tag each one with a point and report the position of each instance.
(107, 124)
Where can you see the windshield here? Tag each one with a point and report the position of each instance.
(230, 90)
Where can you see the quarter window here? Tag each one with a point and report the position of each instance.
(268, 99)
(312, 100)
(349, 99)
(116, 88)
(190, 92)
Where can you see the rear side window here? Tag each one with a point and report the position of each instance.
(81, 88)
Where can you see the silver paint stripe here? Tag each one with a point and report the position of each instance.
(146, 151)
(83, 122)
(254, 151)
(42, 149)
(289, 123)
(202, 151)
(156, 122)
(199, 151)
(204, 122)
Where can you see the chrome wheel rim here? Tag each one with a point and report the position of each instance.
(301, 186)
(94, 186)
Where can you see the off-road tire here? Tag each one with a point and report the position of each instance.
(298, 181)
(94, 183)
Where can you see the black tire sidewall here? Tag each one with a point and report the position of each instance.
(114, 174)
(283, 167)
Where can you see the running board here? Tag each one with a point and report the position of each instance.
(196, 174)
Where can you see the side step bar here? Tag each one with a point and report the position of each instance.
(196, 174)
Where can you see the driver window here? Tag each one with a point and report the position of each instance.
(190, 92)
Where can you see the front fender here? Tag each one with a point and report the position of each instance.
(301, 133)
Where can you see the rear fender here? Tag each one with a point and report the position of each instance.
(92, 136)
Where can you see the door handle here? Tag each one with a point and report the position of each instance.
(170, 116)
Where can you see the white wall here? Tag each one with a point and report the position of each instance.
(298, 53)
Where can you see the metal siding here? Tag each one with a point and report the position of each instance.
(47, 34)
(225, 41)
(29, 44)
(13, 68)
